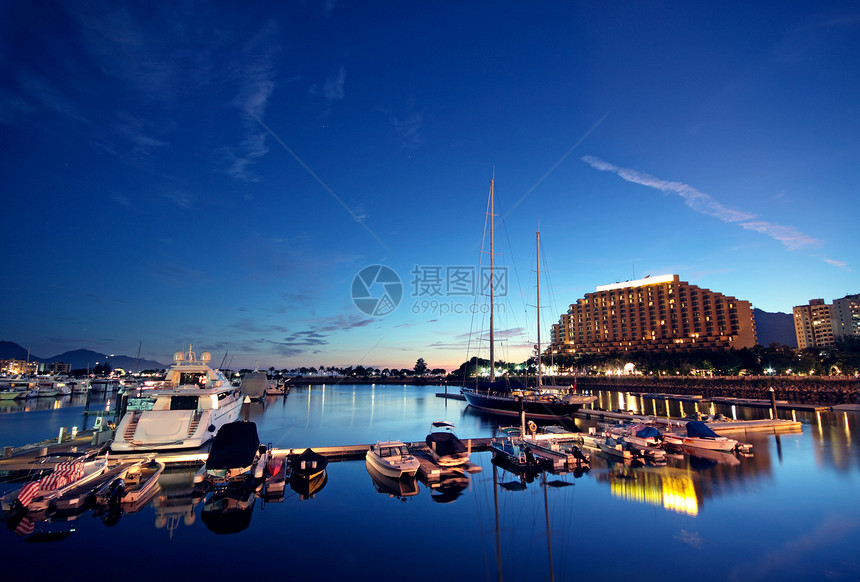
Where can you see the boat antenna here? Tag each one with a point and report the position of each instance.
(224, 359)
(139, 345)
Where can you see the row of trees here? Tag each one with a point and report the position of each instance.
(420, 369)
(841, 360)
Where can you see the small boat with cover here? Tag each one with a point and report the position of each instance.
(446, 449)
(308, 464)
(236, 456)
(699, 435)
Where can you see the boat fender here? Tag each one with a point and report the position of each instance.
(211, 428)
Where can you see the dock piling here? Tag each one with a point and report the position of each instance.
(772, 393)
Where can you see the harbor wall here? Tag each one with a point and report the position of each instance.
(810, 390)
(801, 389)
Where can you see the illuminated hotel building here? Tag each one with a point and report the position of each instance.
(651, 314)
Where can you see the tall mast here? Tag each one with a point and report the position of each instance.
(537, 235)
(492, 285)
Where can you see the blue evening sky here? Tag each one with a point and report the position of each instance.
(218, 173)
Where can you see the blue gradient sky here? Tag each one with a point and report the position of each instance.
(180, 172)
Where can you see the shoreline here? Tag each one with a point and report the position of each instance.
(800, 389)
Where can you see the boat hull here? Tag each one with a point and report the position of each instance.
(155, 440)
(533, 408)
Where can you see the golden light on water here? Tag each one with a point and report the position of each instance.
(674, 492)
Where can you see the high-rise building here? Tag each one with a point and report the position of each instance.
(813, 324)
(846, 316)
(819, 325)
(651, 314)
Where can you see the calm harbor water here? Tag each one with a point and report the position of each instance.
(791, 511)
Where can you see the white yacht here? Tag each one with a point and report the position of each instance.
(182, 412)
(392, 459)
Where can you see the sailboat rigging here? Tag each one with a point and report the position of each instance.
(502, 397)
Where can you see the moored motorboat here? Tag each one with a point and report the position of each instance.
(72, 471)
(308, 465)
(185, 411)
(559, 453)
(446, 449)
(134, 483)
(615, 448)
(699, 435)
(637, 433)
(392, 459)
(236, 456)
(513, 452)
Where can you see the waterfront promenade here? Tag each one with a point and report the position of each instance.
(801, 389)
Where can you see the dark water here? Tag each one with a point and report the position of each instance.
(791, 511)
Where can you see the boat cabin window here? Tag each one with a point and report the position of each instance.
(183, 403)
(192, 378)
(140, 403)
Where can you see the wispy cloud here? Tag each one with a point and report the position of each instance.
(703, 203)
(332, 89)
(839, 264)
(690, 538)
(255, 73)
(312, 339)
(793, 551)
(789, 236)
(408, 127)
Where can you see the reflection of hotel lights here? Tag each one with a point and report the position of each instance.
(679, 495)
(674, 492)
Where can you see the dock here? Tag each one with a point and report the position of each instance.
(761, 403)
(774, 425)
(348, 452)
(450, 396)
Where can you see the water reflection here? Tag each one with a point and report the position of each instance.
(400, 488)
(449, 487)
(501, 524)
(307, 488)
(229, 510)
(176, 502)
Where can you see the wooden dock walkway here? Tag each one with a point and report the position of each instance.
(761, 403)
(347, 452)
(775, 425)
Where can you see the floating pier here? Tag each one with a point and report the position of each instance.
(764, 425)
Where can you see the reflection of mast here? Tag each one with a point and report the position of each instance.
(548, 533)
(498, 535)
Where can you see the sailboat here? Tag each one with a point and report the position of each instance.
(540, 402)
